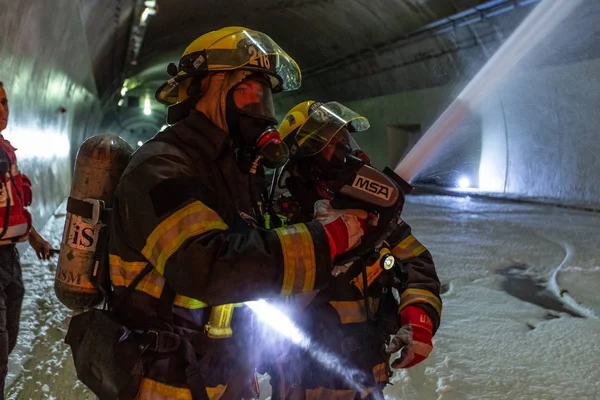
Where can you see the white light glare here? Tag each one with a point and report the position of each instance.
(147, 109)
(464, 182)
(124, 91)
(255, 43)
(140, 143)
(278, 321)
(274, 318)
(162, 128)
(39, 143)
(121, 102)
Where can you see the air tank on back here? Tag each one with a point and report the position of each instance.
(99, 164)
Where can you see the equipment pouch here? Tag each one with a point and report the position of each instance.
(107, 358)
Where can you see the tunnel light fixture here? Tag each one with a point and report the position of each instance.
(147, 109)
(464, 182)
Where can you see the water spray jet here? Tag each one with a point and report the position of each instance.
(538, 24)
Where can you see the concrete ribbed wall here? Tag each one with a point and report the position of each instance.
(45, 66)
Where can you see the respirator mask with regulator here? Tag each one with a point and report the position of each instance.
(251, 121)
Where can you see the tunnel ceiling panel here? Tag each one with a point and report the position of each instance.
(314, 32)
(107, 25)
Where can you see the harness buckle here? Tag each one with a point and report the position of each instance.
(97, 207)
(162, 341)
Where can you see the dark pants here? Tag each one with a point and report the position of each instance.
(11, 297)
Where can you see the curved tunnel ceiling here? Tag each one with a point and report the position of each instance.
(406, 44)
(314, 32)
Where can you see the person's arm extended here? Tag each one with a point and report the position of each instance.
(39, 245)
(162, 207)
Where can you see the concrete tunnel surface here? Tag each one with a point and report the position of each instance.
(533, 140)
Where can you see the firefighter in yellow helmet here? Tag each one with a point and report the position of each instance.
(186, 243)
(360, 327)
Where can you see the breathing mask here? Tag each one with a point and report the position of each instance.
(332, 158)
(251, 121)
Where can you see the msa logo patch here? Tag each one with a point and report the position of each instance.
(375, 188)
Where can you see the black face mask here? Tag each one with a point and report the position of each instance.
(257, 134)
(329, 170)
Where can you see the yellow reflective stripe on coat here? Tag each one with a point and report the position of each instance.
(381, 372)
(153, 390)
(299, 261)
(122, 273)
(413, 296)
(373, 271)
(189, 221)
(408, 248)
(322, 393)
(353, 312)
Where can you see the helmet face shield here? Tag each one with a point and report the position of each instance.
(257, 51)
(325, 122)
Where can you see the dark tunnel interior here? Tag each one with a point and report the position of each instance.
(492, 99)
(400, 63)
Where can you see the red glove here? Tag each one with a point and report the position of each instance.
(413, 338)
(345, 228)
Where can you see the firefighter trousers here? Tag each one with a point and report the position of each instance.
(11, 298)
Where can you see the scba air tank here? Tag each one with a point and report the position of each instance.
(99, 164)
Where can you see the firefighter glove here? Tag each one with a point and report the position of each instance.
(413, 340)
(345, 228)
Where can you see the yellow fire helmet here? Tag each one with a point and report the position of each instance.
(229, 49)
(309, 126)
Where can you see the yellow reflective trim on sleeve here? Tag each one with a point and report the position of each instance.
(413, 296)
(408, 248)
(299, 263)
(189, 221)
(122, 273)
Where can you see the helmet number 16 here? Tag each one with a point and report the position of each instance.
(258, 58)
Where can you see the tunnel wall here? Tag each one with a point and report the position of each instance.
(45, 66)
(551, 122)
(536, 136)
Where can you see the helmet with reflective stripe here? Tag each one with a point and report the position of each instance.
(229, 49)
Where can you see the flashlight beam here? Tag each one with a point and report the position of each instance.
(278, 321)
